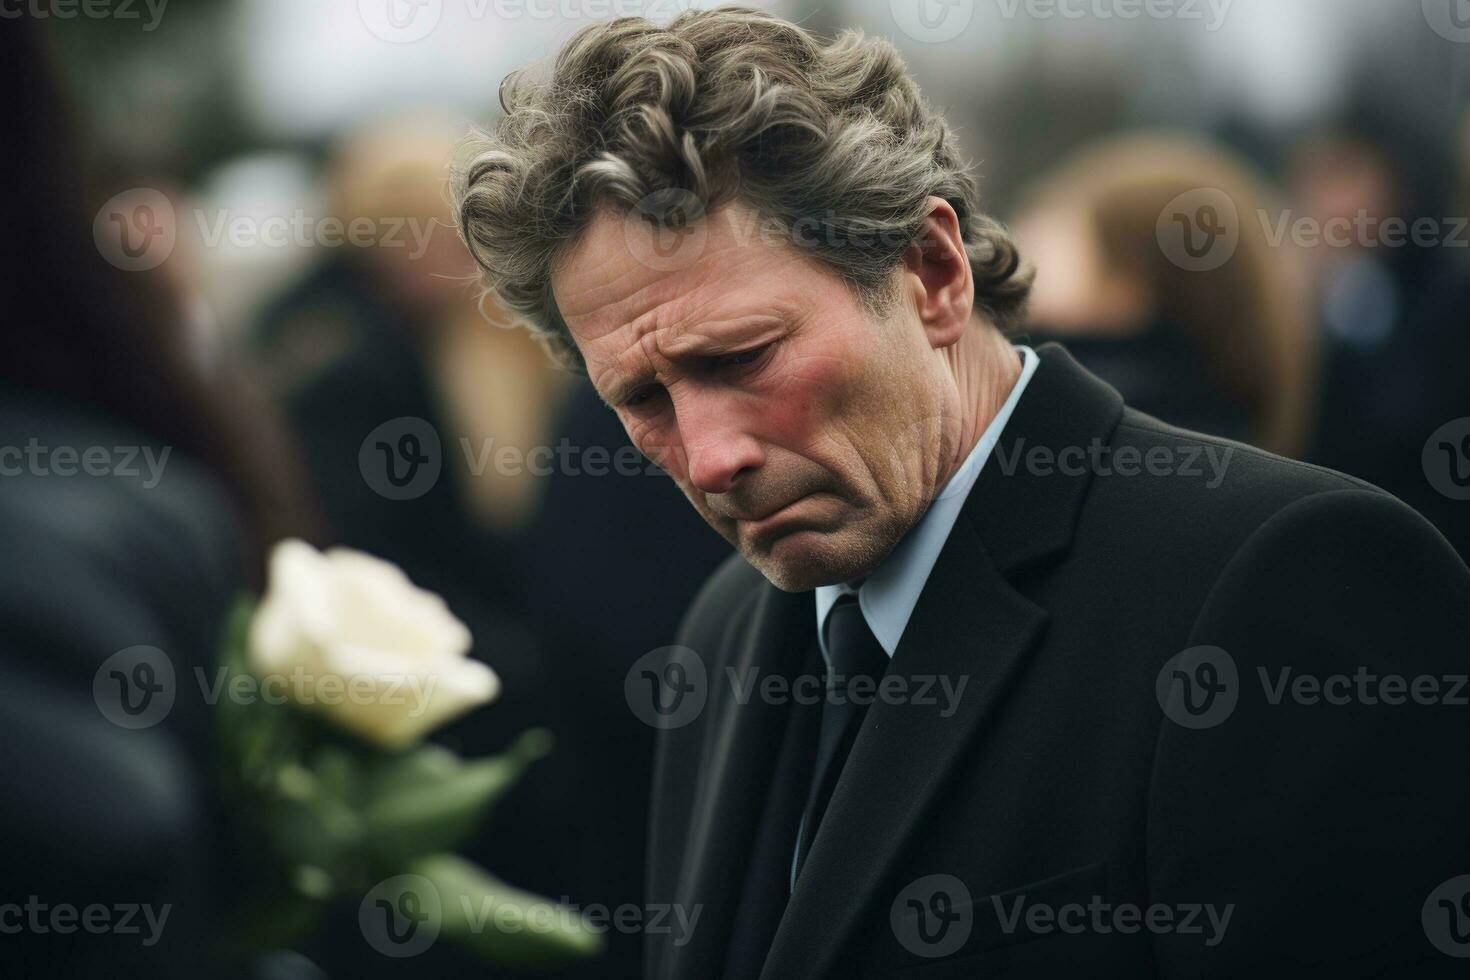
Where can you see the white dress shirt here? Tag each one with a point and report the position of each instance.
(888, 596)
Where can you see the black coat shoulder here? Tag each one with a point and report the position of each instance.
(143, 550)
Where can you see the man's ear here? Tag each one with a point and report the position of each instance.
(936, 272)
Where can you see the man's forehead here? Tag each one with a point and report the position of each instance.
(598, 276)
(620, 268)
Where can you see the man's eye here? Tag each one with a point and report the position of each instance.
(639, 397)
(744, 357)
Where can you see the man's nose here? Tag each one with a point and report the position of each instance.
(718, 446)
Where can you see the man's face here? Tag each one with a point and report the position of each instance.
(806, 430)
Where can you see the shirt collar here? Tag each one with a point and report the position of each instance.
(888, 596)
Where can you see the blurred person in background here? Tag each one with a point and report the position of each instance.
(141, 486)
(1391, 311)
(641, 554)
(385, 329)
(387, 326)
(1228, 351)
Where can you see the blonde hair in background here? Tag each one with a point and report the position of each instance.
(1251, 318)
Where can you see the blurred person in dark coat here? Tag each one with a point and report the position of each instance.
(139, 488)
(1227, 350)
(1391, 306)
(618, 557)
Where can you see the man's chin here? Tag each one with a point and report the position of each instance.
(803, 560)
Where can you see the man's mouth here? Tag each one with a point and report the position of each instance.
(771, 512)
(772, 518)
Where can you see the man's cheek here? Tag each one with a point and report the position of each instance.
(793, 407)
(670, 459)
(723, 526)
(663, 452)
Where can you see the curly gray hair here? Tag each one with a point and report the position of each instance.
(724, 104)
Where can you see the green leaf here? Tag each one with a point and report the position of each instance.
(430, 800)
(412, 770)
(237, 623)
(309, 832)
(232, 717)
(504, 925)
(283, 921)
(338, 772)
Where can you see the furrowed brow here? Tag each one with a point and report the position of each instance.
(720, 337)
(691, 346)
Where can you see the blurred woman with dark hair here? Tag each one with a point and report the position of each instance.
(1227, 350)
(138, 492)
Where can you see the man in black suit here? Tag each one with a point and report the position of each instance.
(1007, 679)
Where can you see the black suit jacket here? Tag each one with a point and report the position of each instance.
(1059, 793)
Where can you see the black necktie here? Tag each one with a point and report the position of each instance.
(852, 652)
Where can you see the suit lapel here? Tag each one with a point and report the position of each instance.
(970, 624)
(904, 751)
(741, 747)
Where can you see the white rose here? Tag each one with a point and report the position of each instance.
(349, 635)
